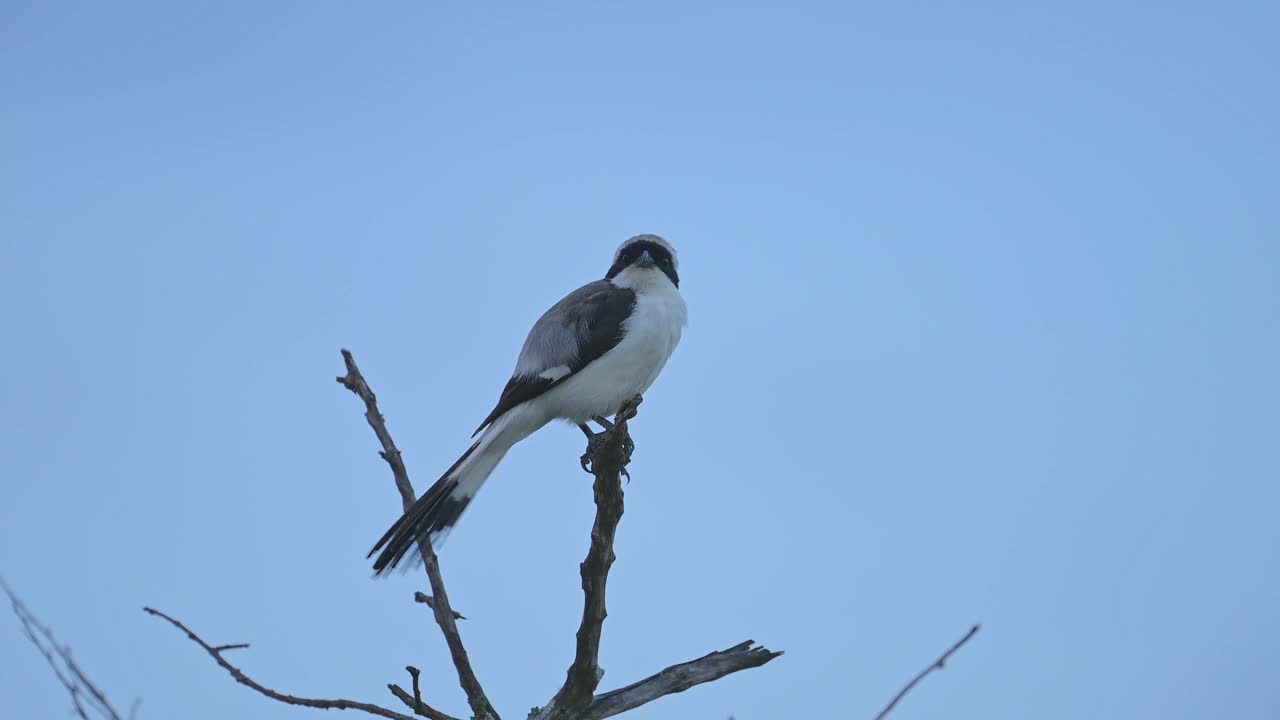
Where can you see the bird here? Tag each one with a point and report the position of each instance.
(601, 345)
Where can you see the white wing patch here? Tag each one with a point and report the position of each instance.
(554, 373)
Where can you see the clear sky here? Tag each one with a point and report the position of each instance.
(983, 327)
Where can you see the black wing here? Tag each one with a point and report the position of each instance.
(586, 324)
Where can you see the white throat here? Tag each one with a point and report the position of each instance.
(644, 280)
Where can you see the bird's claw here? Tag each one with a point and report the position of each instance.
(598, 444)
(595, 443)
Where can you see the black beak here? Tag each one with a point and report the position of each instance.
(645, 260)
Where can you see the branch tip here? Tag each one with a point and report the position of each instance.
(938, 664)
(238, 646)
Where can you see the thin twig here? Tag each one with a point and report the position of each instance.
(417, 690)
(937, 665)
(425, 599)
(64, 667)
(443, 612)
(240, 677)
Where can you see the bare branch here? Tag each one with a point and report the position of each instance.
(937, 665)
(608, 462)
(575, 699)
(678, 678)
(443, 612)
(240, 677)
(85, 696)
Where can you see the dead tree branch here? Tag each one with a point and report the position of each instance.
(240, 677)
(678, 678)
(86, 698)
(444, 614)
(937, 665)
(576, 698)
(608, 456)
(607, 464)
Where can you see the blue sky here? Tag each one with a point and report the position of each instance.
(983, 327)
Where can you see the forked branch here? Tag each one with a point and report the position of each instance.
(443, 612)
(86, 698)
(216, 653)
(576, 698)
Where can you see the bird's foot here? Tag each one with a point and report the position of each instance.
(595, 445)
(602, 448)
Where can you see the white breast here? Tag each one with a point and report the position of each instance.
(650, 335)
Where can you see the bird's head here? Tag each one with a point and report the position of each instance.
(642, 260)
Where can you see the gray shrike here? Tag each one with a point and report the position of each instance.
(602, 344)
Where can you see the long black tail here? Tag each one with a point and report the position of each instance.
(430, 515)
